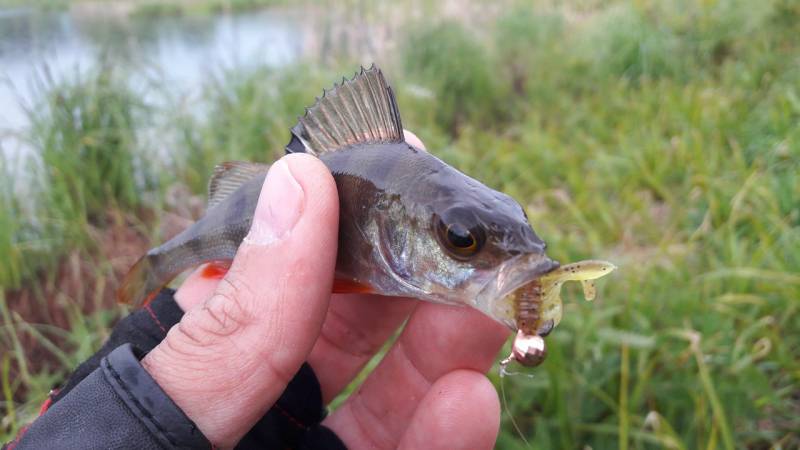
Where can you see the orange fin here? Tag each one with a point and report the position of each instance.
(351, 287)
(215, 270)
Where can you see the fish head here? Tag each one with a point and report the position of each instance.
(469, 244)
(410, 224)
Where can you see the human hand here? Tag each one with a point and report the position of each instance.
(245, 335)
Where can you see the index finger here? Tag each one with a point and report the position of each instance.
(355, 328)
(437, 340)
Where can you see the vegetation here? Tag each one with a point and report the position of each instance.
(663, 136)
(148, 9)
(250, 114)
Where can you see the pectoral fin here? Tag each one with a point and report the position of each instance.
(341, 286)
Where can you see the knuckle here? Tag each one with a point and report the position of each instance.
(237, 286)
(222, 316)
(185, 333)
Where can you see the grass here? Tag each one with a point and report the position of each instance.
(663, 136)
(87, 160)
(250, 112)
(155, 9)
(451, 62)
(13, 267)
(93, 122)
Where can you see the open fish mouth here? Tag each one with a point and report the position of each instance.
(517, 273)
(514, 274)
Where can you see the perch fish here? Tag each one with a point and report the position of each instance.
(409, 224)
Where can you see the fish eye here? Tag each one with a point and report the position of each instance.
(461, 242)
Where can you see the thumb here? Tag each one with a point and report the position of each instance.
(228, 360)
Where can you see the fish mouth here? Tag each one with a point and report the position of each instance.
(515, 273)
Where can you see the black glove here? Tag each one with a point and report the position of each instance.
(110, 401)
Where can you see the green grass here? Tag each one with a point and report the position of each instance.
(91, 122)
(12, 265)
(154, 9)
(88, 162)
(448, 59)
(663, 136)
(250, 112)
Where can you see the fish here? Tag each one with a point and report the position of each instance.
(410, 225)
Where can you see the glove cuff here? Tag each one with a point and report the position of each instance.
(148, 402)
(118, 405)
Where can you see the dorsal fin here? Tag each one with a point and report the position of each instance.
(229, 176)
(358, 111)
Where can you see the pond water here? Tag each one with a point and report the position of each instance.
(183, 50)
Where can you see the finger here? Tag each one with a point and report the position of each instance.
(437, 340)
(460, 411)
(229, 359)
(356, 327)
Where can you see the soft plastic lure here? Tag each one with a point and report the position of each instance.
(540, 308)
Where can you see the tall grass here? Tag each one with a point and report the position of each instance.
(248, 117)
(12, 266)
(158, 9)
(663, 136)
(86, 160)
(85, 132)
(701, 236)
(448, 59)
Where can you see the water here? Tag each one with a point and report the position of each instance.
(181, 50)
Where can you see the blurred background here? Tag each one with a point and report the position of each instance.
(661, 135)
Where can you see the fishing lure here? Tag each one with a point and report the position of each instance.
(539, 307)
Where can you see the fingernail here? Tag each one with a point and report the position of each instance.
(279, 206)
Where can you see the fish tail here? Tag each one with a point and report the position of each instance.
(141, 284)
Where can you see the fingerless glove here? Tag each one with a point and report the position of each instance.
(111, 402)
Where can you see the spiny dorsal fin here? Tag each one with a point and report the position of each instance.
(229, 176)
(357, 111)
